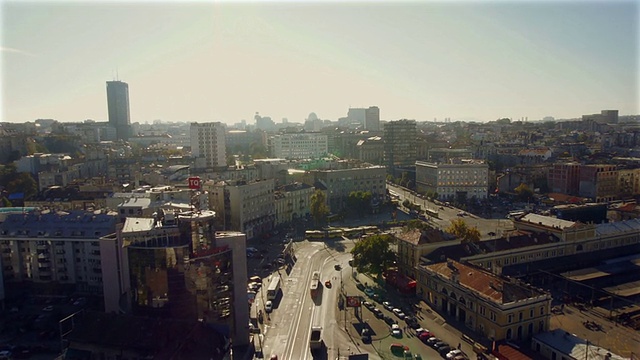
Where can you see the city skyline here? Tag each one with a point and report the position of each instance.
(226, 61)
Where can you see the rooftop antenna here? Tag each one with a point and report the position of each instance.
(117, 77)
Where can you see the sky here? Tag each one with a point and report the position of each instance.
(226, 60)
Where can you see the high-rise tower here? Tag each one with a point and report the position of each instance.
(118, 106)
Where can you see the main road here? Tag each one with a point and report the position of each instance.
(286, 330)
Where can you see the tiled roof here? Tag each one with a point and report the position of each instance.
(483, 283)
(417, 237)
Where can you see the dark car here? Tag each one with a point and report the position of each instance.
(389, 320)
(360, 286)
(438, 344)
(379, 314)
(444, 350)
(432, 341)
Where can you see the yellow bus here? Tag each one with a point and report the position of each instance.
(314, 234)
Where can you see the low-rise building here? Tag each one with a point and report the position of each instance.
(494, 306)
(461, 180)
(307, 145)
(559, 344)
(413, 244)
(340, 183)
(292, 202)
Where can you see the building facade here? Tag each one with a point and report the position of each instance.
(299, 145)
(340, 183)
(598, 182)
(118, 107)
(248, 207)
(460, 180)
(497, 307)
(564, 178)
(292, 202)
(55, 250)
(208, 145)
(399, 143)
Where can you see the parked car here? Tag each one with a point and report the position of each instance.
(387, 305)
(452, 354)
(368, 305)
(395, 330)
(369, 292)
(268, 306)
(399, 313)
(443, 350)
(389, 320)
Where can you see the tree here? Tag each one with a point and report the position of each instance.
(373, 254)
(416, 224)
(462, 231)
(359, 202)
(524, 192)
(318, 208)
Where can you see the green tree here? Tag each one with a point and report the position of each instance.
(318, 208)
(359, 202)
(373, 254)
(462, 231)
(524, 192)
(416, 224)
(14, 181)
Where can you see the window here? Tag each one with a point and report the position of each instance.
(541, 310)
(510, 318)
(520, 316)
(531, 313)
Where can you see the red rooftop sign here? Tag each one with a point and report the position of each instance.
(194, 183)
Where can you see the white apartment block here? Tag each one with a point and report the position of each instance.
(300, 145)
(247, 207)
(466, 178)
(208, 144)
(292, 202)
(44, 247)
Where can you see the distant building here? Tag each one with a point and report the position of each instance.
(587, 213)
(496, 307)
(605, 117)
(307, 145)
(292, 202)
(208, 145)
(118, 106)
(399, 144)
(245, 206)
(371, 150)
(368, 118)
(460, 180)
(564, 178)
(598, 182)
(340, 183)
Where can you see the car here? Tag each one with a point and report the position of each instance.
(376, 297)
(395, 330)
(360, 286)
(280, 261)
(268, 306)
(368, 305)
(350, 262)
(399, 313)
(460, 357)
(443, 350)
(255, 278)
(253, 286)
(452, 354)
(369, 292)
(389, 320)
(438, 344)
(398, 348)
(328, 284)
(417, 357)
(337, 267)
(424, 336)
(421, 330)
(432, 340)
(48, 308)
(378, 313)
(387, 305)
(491, 233)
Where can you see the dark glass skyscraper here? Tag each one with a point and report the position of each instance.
(118, 106)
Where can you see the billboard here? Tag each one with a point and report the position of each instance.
(353, 301)
(194, 183)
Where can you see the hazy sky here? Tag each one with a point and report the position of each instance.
(224, 61)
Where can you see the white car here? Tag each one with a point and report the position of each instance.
(395, 330)
(254, 286)
(453, 353)
(399, 313)
(387, 305)
(268, 306)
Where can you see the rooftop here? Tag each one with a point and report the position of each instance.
(417, 237)
(77, 223)
(483, 283)
(547, 221)
(618, 227)
(574, 346)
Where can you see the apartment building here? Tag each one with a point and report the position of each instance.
(371, 150)
(55, 249)
(292, 202)
(463, 179)
(208, 145)
(412, 245)
(628, 183)
(598, 182)
(564, 178)
(497, 307)
(306, 145)
(399, 143)
(245, 206)
(340, 183)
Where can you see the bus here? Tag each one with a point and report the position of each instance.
(315, 281)
(334, 233)
(314, 234)
(516, 214)
(431, 213)
(274, 287)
